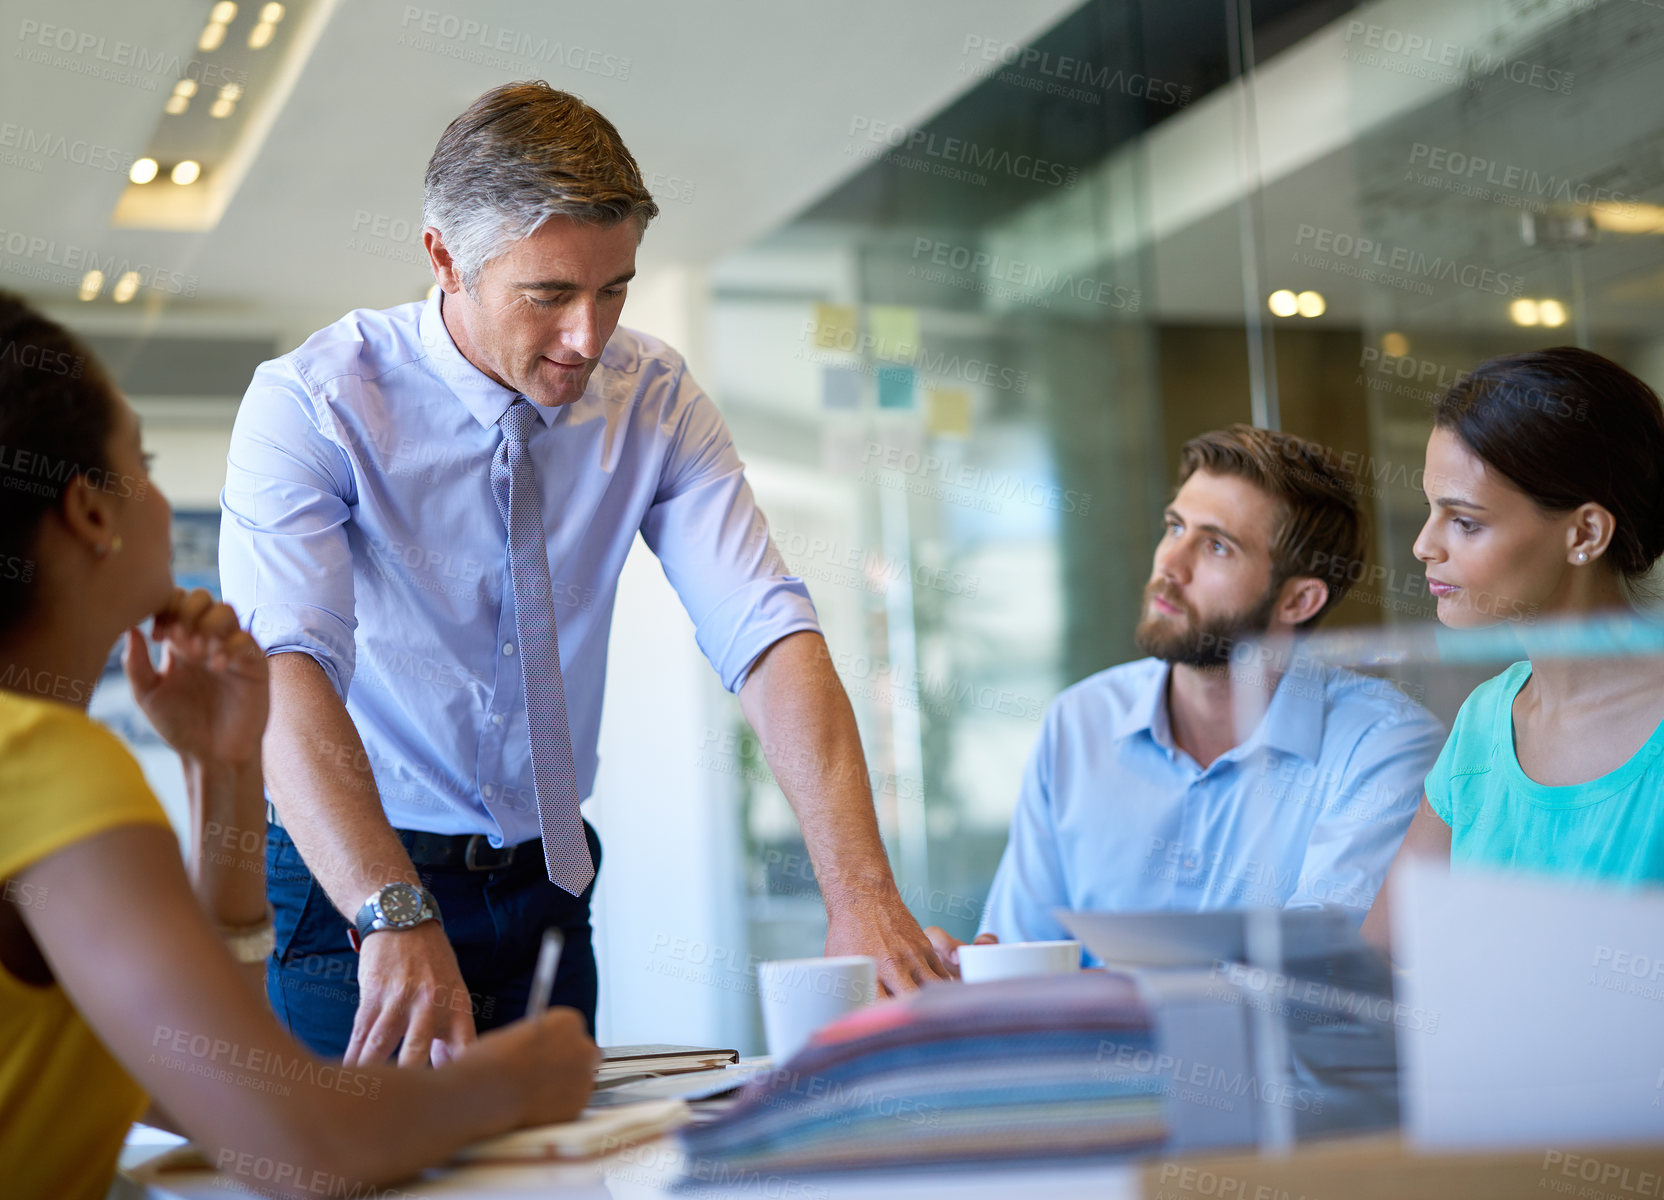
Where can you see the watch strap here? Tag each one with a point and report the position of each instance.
(364, 923)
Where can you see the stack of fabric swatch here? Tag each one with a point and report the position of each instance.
(1030, 1068)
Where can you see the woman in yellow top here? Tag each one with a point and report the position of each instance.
(121, 974)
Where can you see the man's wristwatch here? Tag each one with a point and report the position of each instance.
(395, 906)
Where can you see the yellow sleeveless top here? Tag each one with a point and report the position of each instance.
(65, 1103)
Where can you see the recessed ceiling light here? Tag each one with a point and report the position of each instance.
(213, 33)
(91, 284)
(1523, 311)
(229, 95)
(261, 35)
(143, 170)
(1551, 313)
(1394, 344)
(186, 173)
(1283, 303)
(126, 288)
(1628, 217)
(1310, 304)
(203, 190)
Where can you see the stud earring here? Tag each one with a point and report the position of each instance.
(1582, 556)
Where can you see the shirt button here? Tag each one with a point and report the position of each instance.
(496, 718)
(486, 790)
(508, 647)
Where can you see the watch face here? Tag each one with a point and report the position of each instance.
(400, 905)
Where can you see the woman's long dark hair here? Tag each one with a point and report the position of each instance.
(55, 420)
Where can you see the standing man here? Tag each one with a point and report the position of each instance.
(425, 515)
(1142, 794)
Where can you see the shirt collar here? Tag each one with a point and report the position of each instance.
(1149, 712)
(485, 398)
(1293, 721)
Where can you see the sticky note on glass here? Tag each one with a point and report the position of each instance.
(895, 387)
(948, 411)
(840, 387)
(836, 326)
(895, 332)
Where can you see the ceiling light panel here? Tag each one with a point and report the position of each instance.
(213, 120)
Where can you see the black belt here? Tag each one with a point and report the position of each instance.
(470, 851)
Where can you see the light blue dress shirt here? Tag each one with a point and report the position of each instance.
(359, 527)
(1308, 811)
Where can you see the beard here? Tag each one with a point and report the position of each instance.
(1184, 640)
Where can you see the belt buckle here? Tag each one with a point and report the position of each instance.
(470, 855)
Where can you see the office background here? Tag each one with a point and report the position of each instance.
(962, 276)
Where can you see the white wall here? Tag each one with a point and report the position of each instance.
(669, 908)
(670, 917)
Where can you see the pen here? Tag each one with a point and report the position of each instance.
(543, 978)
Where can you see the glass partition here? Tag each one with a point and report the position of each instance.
(947, 372)
(1312, 215)
(1343, 1024)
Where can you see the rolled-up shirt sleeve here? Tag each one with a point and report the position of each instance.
(285, 563)
(714, 544)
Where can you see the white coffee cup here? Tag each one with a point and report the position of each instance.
(1016, 960)
(801, 995)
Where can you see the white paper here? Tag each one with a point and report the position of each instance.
(1531, 1013)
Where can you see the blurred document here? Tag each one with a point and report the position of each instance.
(1542, 1011)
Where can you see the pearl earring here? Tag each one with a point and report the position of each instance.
(1582, 556)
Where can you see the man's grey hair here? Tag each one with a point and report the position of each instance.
(520, 154)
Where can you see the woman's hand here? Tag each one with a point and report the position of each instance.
(548, 1060)
(209, 699)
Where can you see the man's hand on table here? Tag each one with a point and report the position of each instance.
(883, 930)
(410, 989)
(947, 946)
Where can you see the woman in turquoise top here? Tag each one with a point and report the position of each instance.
(1545, 489)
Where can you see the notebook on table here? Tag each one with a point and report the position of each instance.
(659, 1058)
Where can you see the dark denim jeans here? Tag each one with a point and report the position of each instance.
(494, 920)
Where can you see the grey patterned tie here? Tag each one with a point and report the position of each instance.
(514, 483)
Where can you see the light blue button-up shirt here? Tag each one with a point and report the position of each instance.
(359, 527)
(1308, 811)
